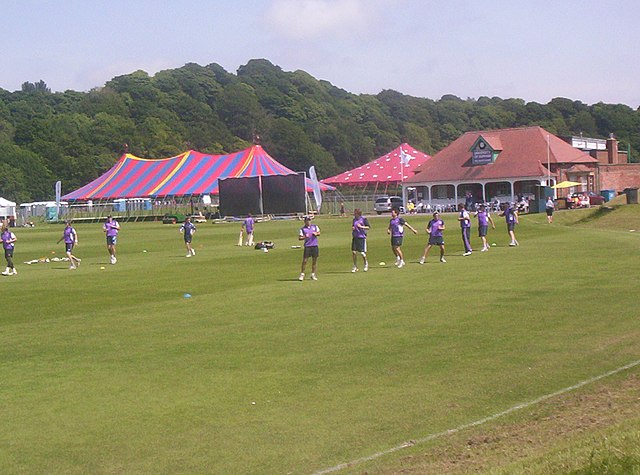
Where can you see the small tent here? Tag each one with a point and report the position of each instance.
(7, 209)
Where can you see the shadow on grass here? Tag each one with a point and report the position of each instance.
(597, 214)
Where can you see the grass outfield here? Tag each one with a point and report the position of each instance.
(113, 371)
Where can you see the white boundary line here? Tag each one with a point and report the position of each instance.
(437, 435)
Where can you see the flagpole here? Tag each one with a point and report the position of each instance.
(402, 174)
(548, 163)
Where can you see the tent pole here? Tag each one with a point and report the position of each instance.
(261, 201)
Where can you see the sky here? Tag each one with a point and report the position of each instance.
(534, 50)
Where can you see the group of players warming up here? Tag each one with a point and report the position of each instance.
(435, 227)
(309, 234)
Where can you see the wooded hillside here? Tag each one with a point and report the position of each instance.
(75, 136)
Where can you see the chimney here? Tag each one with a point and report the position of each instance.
(612, 149)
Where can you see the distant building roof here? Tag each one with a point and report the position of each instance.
(515, 153)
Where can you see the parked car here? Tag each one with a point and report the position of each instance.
(173, 218)
(594, 198)
(385, 204)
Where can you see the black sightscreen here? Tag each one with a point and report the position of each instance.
(239, 196)
(284, 194)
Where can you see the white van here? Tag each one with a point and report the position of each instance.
(385, 204)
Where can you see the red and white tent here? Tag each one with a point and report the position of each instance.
(388, 170)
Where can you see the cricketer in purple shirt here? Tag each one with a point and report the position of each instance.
(396, 230)
(484, 218)
(111, 228)
(248, 224)
(69, 235)
(309, 234)
(8, 243)
(8, 240)
(359, 228)
(434, 227)
(70, 238)
(511, 217)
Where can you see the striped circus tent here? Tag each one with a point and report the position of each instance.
(190, 173)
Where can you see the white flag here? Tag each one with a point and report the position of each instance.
(404, 157)
(315, 186)
(58, 193)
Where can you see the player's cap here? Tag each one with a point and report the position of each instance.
(307, 218)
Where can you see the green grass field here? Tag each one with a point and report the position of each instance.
(113, 371)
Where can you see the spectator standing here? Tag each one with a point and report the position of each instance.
(549, 208)
(465, 228)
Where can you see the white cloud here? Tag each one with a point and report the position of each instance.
(306, 19)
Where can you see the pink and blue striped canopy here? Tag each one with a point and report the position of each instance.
(190, 173)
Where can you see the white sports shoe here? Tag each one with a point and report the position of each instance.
(354, 269)
(401, 265)
(366, 267)
(421, 260)
(15, 271)
(468, 253)
(72, 267)
(313, 277)
(193, 252)
(442, 259)
(7, 271)
(188, 255)
(301, 277)
(484, 249)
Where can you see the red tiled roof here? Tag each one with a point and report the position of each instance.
(493, 140)
(384, 169)
(522, 153)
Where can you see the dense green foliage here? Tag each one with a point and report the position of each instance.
(75, 136)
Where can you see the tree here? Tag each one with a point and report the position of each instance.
(39, 86)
